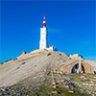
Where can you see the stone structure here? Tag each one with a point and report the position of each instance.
(77, 64)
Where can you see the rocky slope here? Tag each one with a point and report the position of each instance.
(39, 74)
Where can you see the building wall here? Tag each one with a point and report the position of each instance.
(43, 38)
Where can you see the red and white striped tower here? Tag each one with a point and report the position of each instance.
(44, 22)
(43, 35)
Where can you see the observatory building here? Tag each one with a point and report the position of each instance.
(43, 37)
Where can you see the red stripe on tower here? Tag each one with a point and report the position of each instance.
(44, 22)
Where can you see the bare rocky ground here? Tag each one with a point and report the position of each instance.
(39, 75)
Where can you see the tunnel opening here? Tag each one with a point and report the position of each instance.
(95, 71)
(76, 67)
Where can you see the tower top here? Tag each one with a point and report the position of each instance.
(44, 22)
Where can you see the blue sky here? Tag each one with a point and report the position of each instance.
(71, 26)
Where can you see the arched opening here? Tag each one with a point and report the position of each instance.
(83, 69)
(94, 70)
(75, 69)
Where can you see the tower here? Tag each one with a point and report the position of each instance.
(43, 35)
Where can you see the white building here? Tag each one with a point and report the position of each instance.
(43, 37)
